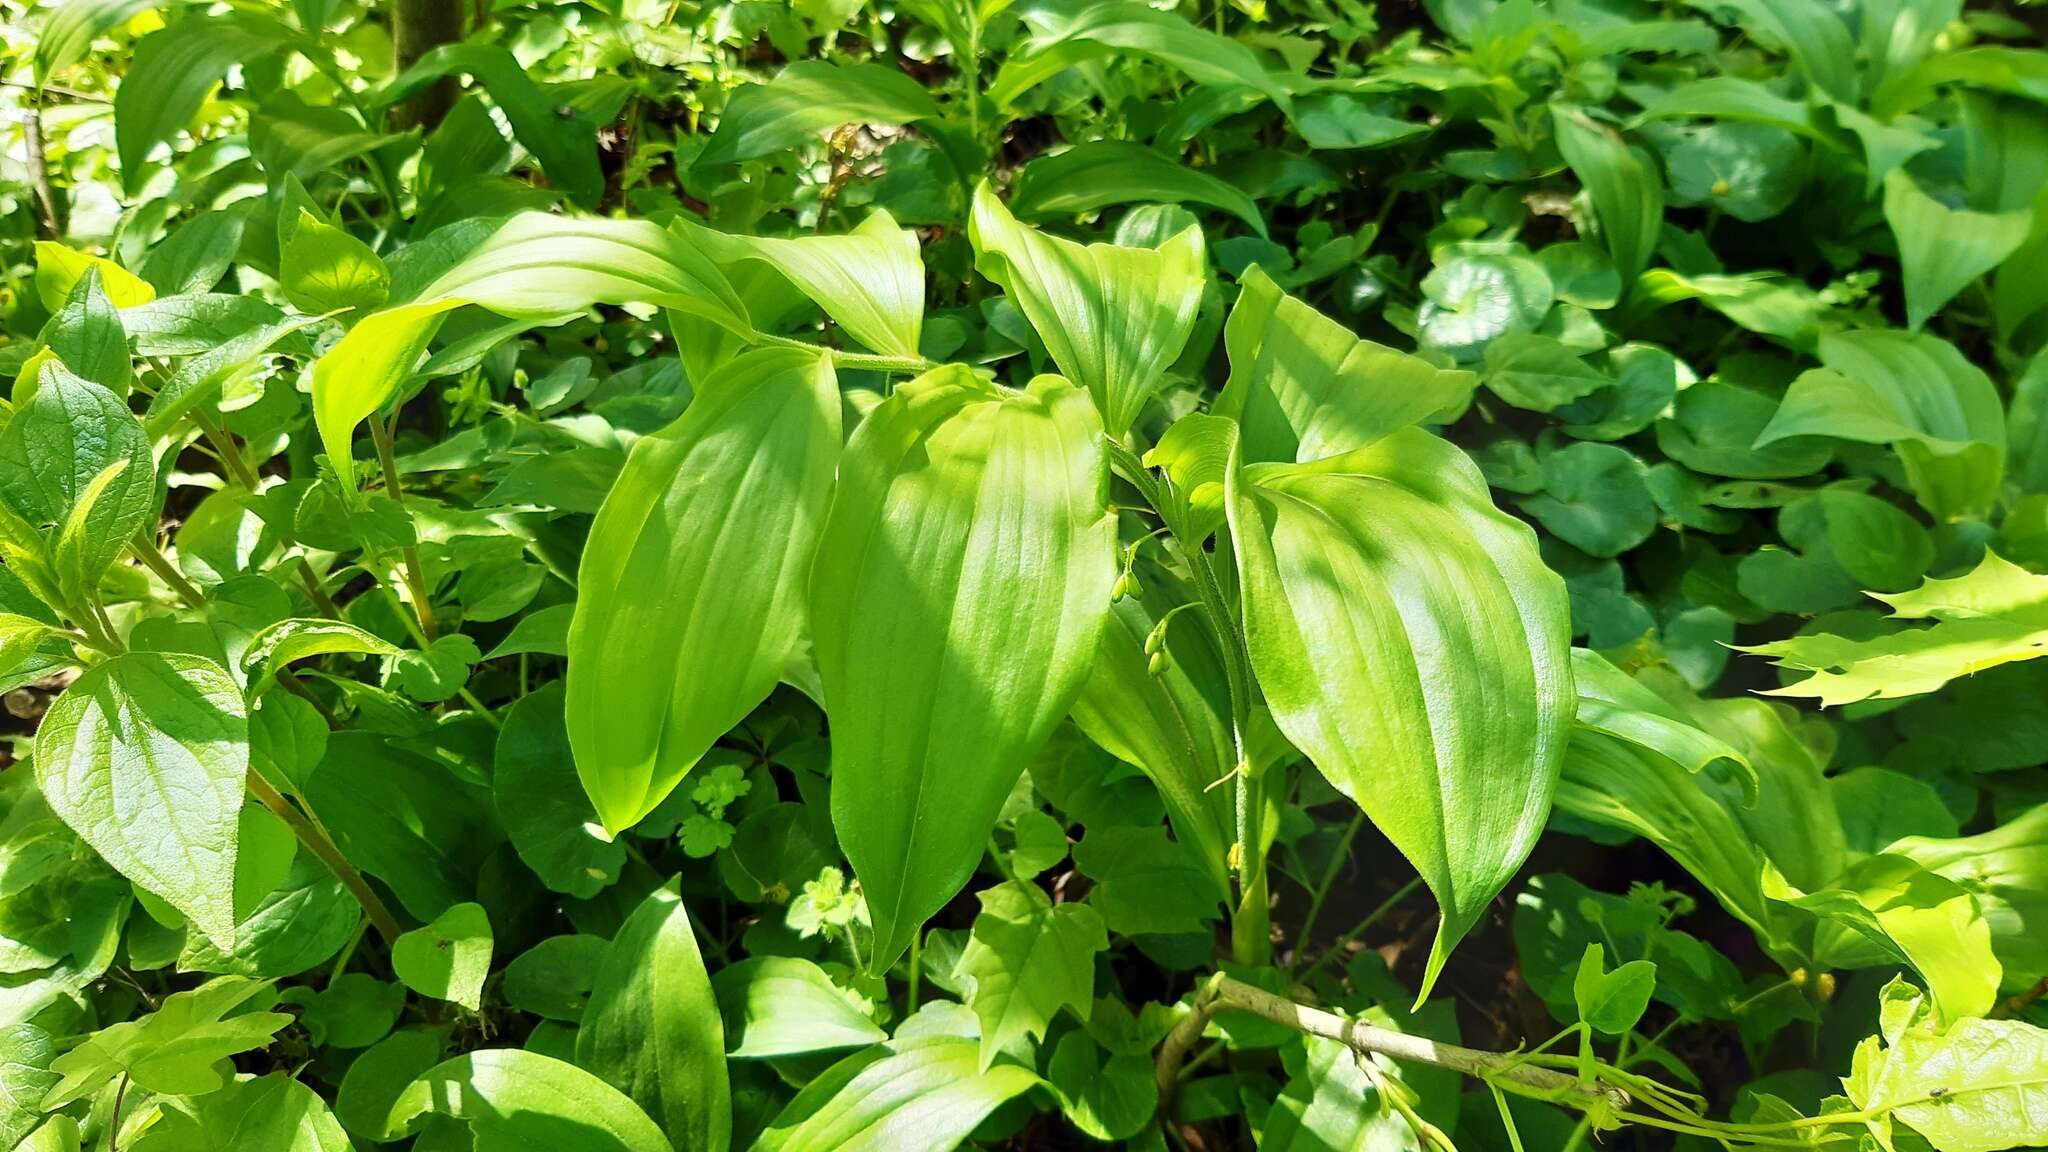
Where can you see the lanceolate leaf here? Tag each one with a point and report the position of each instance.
(1302, 387)
(537, 268)
(1068, 36)
(517, 1099)
(1627, 192)
(871, 280)
(1411, 642)
(1944, 249)
(809, 97)
(927, 1093)
(1113, 318)
(1104, 172)
(173, 71)
(652, 1028)
(691, 603)
(144, 757)
(960, 590)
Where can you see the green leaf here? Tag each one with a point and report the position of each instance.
(176, 1050)
(377, 1078)
(303, 638)
(1028, 958)
(1814, 35)
(1943, 250)
(2006, 870)
(1302, 387)
(1596, 497)
(542, 807)
(1097, 174)
(1910, 914)
(1538, 373)
(145, 757)
(552, 979)
(324, 269)
(58, 447)
(1627, 194)
(690, 607)
(449, 958)
(652, 1028)
(927, 1093)
(87, 336)
(1064, 37)
(537, 268)
(785, 1006)
(171, 74)
(807, 98)
(1451, 745)
(1113, 318)
(274, 1112)
(25, 1078)
(1995, 614)
(68, 33)
(969, 537)
(1941, 413)
(289, 137)
(59, 270)
(1146, 883)
(871, 280)
(523, 1100)
(1979, 1086)
(559, 133)
(1612, 1002)
(1329, 1102)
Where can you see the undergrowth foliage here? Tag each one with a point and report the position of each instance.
(884, 577)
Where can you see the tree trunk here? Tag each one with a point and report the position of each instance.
(417, 28)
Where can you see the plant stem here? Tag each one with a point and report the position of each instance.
(153, 558)
(318, 842)
(415, 579)
(50, 222)
(1322, 892)
(225, 448)
(1225, 994)
(1359, 929)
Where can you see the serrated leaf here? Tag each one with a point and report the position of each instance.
(1026, 959)
(175, 1049)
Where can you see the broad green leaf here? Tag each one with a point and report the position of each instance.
(1612, 1002)
(1095, 175)
(1944, 249)
(552, 979)
(871, 280)
(449, 958)
(969, 539)
(1539, 373)
(1477, 293)
(1330, 1103)
(1064, 37)
(292, 138)
(1627, 193)
(67, 35)
(927, 1093)
(1107, 1095)
(2006, 870)
(25, 1078)
(1995, 614)
(1302, 387)
(173, 70)
(58, 448)
(1730, 98)
(526, 1101)
(1113, 318)
(59, 269)
(1027, 959)
(1911, 914)
(652, 1029)
(144, 756)
(377, 1078)
(691, 594)
(87, 336)
(1412, 643)
(1168, 726)
(786, 1006)
(301, 638)
(807, 98)
(1941, 413)
(296, 926)
(402, 817)
(1752, 172)
(178, 1049)
(541, 805)
(1813, 34)
(274, 1112)
(1596, 497)
(537, 268)
(1979, 1086)
(1147, 884)
(549, 123)
(324, 269)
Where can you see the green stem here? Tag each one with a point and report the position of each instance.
(1360, 928)
(415, 579)
(1322, 891)
(321, 846)
(153, 558)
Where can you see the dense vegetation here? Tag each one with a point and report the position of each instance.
(630, 577)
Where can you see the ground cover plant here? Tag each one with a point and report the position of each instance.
(1288, 574)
